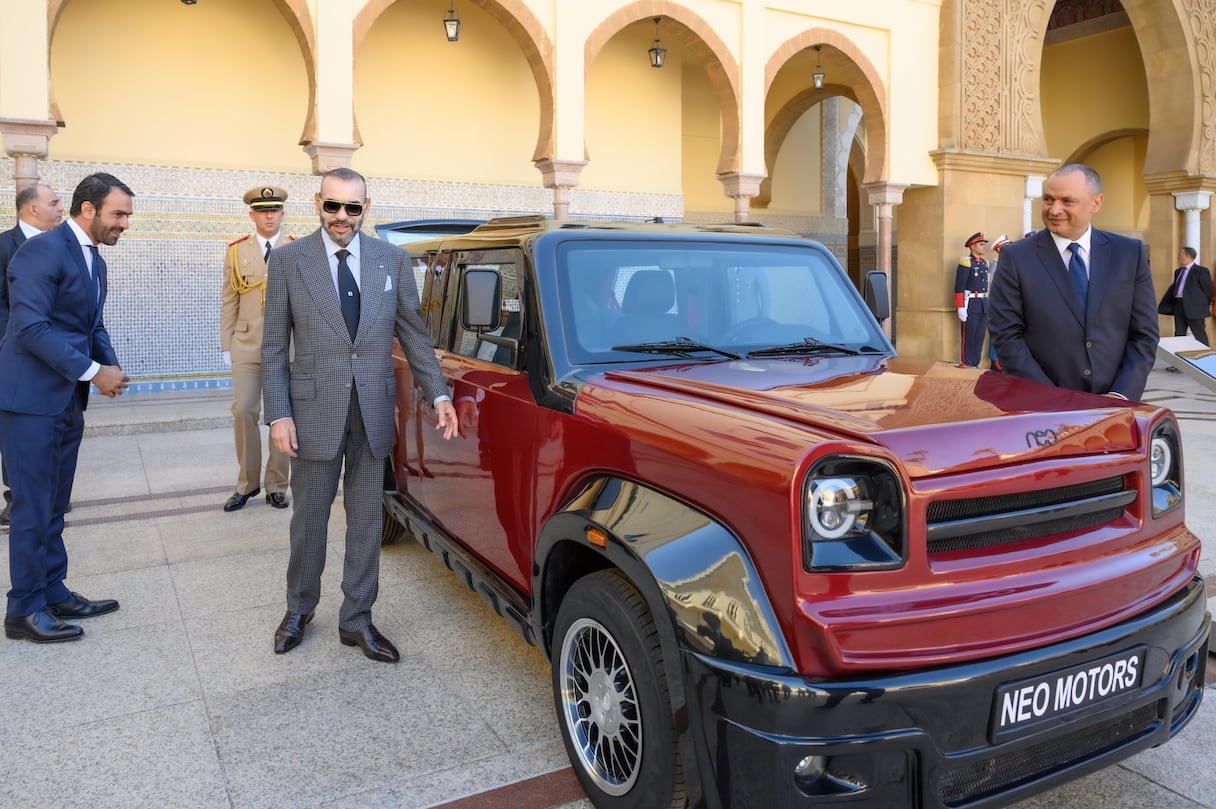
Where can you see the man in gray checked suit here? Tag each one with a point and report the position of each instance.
(341, 296)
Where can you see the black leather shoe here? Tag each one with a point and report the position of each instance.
(4, 514)
(291, 631)
(77, 606)
(373, 644)
(239, 500)
(277, 499)
(41, 627)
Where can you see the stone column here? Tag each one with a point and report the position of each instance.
(26, 142)
(741, 188)
(561, 176)
(1192, 203)
(1034, 190)
(884, 197)
(327, 156)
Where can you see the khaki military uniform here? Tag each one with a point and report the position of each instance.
(243, 296)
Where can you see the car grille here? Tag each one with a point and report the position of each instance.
(981, 522)
(974, 780)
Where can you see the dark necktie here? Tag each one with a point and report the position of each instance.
(266, 255)
(95, 273)
(348, 294)
(1076, 272)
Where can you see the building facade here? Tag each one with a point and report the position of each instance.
(890, 130)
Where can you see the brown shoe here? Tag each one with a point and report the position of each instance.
(373, 644)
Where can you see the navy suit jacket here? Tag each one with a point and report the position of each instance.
(1037, 327)
(55, 328)
(10, 240)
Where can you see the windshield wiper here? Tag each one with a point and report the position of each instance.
(681, 347)
(809, 345)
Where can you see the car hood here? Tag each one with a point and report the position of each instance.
(934, 416)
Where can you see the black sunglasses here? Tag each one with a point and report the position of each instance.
(333, 206)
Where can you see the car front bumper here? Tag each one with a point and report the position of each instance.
(930, 738)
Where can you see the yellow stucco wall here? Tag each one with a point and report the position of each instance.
(473, 114)
(218, 85)
(634, 136)
(702, 142)
(797, 176)
(1092, 84)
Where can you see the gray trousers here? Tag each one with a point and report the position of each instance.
(314, 485)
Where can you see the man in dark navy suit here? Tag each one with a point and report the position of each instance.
(55, 346)
(1073, 306)
(1189, 297)
(38, 209)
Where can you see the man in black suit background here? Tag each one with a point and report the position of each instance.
(38, 209)
(1189, 297)
(1074, 306)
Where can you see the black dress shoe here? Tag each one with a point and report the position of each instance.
(77, 606)
(373, 644)
(41, 627)
(291, 631)
(277, 499)
(238, 500)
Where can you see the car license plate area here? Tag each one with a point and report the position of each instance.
(1021, 706)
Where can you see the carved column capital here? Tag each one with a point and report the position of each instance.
(26, 141)
(1192, 200)
(884, 194)
(560, 173)
(741, 188)
(328, 156)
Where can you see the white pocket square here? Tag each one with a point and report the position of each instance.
(388, 283)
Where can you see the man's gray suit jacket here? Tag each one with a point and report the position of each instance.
(315, 389)
(1035, 320)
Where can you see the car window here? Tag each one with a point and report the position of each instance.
(736, 296)
(469, 343)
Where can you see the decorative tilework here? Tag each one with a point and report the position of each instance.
(163, 307)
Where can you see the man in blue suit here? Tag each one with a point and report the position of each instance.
(1073, 306)
(55, 346)
(38, 209)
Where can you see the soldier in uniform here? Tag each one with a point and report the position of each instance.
(1000, 242)
(243, 298)
(971, 298)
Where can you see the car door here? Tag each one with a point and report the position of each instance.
(483, 480)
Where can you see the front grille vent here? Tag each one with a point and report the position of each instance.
(981, 522)
(978, 779)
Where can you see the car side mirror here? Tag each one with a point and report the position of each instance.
(481, 301)
(874, 290)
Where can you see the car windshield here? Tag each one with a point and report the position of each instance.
(734, 298)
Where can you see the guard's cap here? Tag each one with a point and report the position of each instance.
(975, 237)
(1000, 242)
(266, 198)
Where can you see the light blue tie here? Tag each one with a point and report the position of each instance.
(1080, 278)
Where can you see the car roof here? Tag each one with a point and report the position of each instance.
(518, 230)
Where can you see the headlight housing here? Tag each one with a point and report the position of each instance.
(1165, 467)
(853, 516)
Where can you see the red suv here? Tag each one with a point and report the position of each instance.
(772, 563)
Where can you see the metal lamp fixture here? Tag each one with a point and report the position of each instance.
(451, 24)
(658, 54)
(818, 76)
(189, 2)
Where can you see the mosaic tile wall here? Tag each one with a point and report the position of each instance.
(162, 310)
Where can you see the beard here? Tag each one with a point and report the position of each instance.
(102, 233)
(341, 239)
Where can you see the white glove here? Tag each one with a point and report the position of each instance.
(962, 314)
(227, 356)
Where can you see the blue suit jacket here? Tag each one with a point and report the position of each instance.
(1037, 327)
(10, 240)
(55, 328)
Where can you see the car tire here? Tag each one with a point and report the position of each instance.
(392, 531)
(612, 698)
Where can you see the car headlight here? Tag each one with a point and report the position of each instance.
(853, 515)
(1165, 467)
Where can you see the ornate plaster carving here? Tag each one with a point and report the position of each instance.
(1200, 16)
(1002, 51)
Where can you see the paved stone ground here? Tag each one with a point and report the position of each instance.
(176, 700)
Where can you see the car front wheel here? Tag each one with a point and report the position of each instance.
(612, 698)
